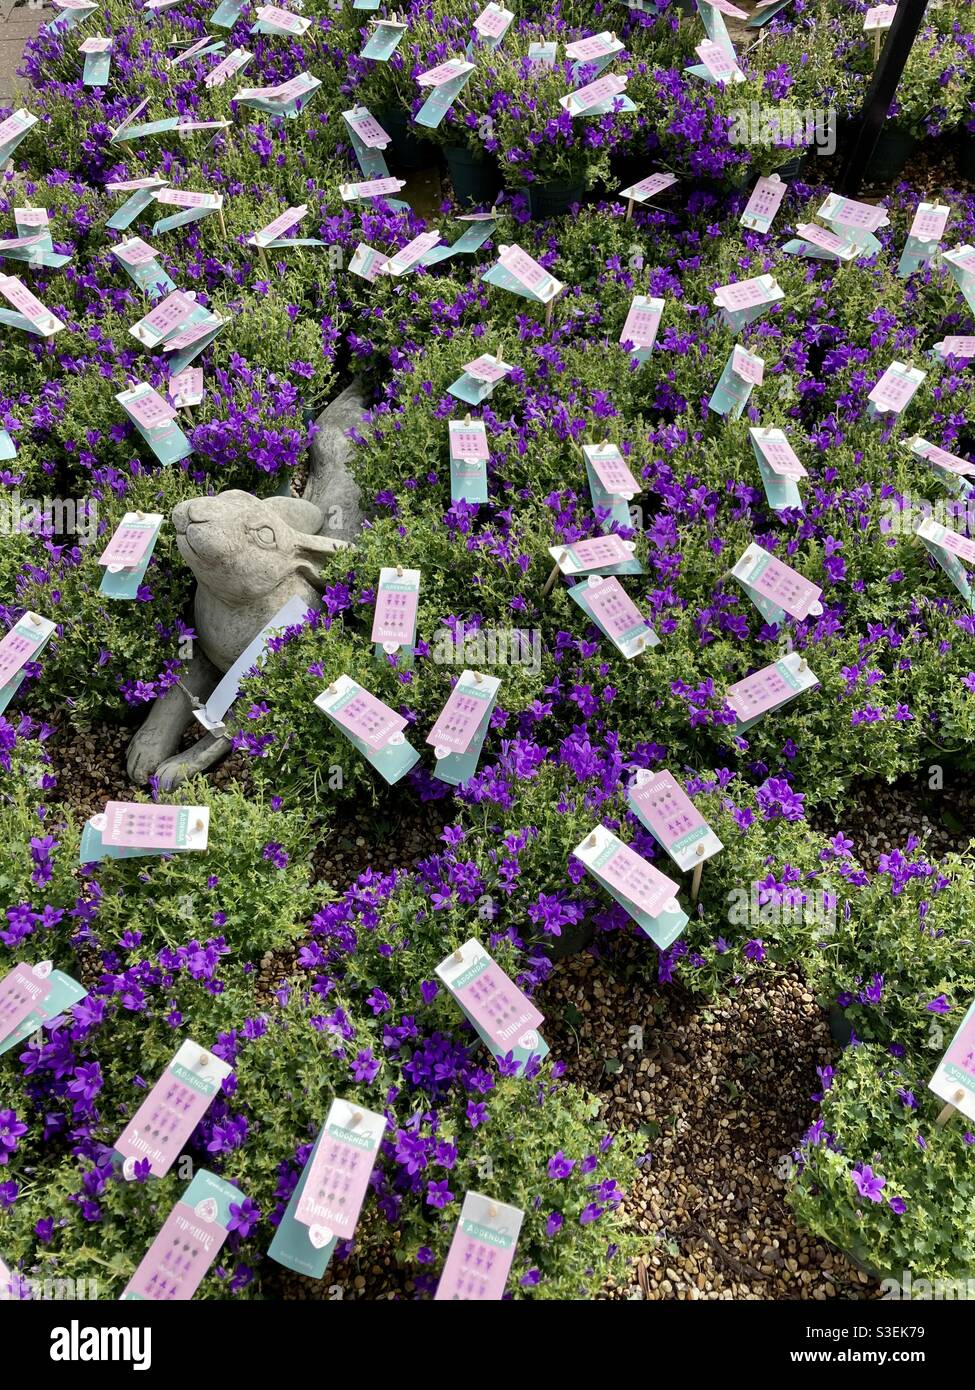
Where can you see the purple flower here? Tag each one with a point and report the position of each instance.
(559, 1166)
(868, 1183)
(244, 1216)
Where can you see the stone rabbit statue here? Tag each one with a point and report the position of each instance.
(250, 556)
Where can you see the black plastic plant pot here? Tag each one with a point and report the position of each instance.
(476, 178)
(554, 199)
(410, 150)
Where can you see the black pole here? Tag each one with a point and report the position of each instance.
(873, 114)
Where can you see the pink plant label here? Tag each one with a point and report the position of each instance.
(375, 188)
(492, 22)
(367, 718)
(170, 313)
(177, 1260)
(394, 620)
(191, 334)
(652, 184)
(186, 387)
(863, 216)
(725, 6)
(745, 294)
(641, 326)
(611, 470)
(21, 991)
(495, 1003)
(281, 224)
(144, 825)
(338, 1179)
(468, 442)
(135, 252)
(227, 67)
(761, 692)
(460, 718)
(825, 240)
(768, 576)
(172, 1110)
(31, 217)
(442, 73)
(17, 293)
(879, 17)
(780, 456)
(368, 130)
(186, 198)
(12, 126)
(598, 552)
(150, 410)
(950, 462)
(959, 345)
(19, 646)
(635, 878)
(929, 223)
(603, 89)
(894, 390)
(526, 270)
(667, 809)
(717, 60)
(958, 545)
(766, 198)
(613, 607)
(481, 1252)
(747, 366)
(282, 19)
(412, 252)
(596, 46)
(486, 368)
(128, 545)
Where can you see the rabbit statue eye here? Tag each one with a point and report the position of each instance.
(264, 535)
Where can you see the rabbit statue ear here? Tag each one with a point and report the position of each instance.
(310, 552)
(300, 515)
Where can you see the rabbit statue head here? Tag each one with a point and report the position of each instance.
(249, 555)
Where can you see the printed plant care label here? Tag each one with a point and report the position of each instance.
(940, 458)
(444, 73)
(147, 825)
(588, 556)
(604, 89)
(493, 21)
(146, 406)
(188, 198)
(896, 388)
(468, 440)
(62, 995)
(367, 262)
(135, 252)
(748, 294)
(361, 714)
(616, 612)
(338, 1177)
(134, 537)
(283, 21)
(172, 1110)
(370, 188)
(186, 387)
(193, 333)
(673, 820)
(281, 224)
(725, 7)
(954, 1080)
(611, 469)
(963, 259)
(748, 366)
(718, 62)
(634, 877)
(410, 254)
(957, 345)
(471, 699)
(22, 991)
(764, 203)
(930, 221)
(487, 368)
(852, 216)
(962, 547)
(778, 453)
(502, 1013)
(481, 1252)
(394, 618)
(167, 316)
(226, 68)
(16, 293)
(642, 322)
(529, 273)
(24, 642)
(826, 240)
(766, 577)
(596, 46)
(132, 185)
(767, 689)
(189, 1242)
(649, 187)
(879, 17)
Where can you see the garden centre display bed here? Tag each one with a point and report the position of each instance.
(573, 870)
